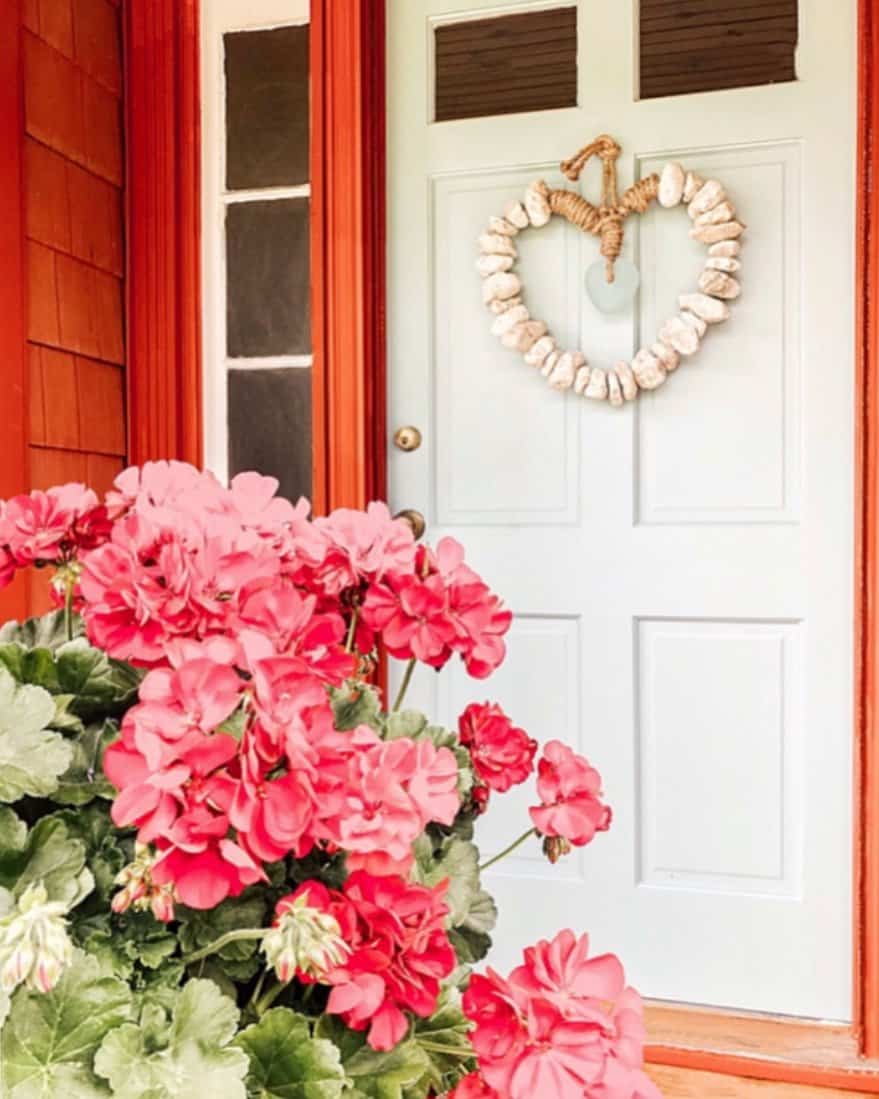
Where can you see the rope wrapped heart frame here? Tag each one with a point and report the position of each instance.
(714, 224)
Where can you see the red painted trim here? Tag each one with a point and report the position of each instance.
(853, 1079)
(348, 273)
(163, 226)
(13, 296)
(867, 566)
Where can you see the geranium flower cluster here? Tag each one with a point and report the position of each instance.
(217, 809)
(398, 951)
(49, 528)
(562, 1024)
(247, 618)
(241, 607)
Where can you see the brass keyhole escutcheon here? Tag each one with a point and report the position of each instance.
(415, 520)
(407, 438)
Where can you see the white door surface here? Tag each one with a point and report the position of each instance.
(680, 568)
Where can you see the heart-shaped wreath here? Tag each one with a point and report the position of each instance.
(714, 223)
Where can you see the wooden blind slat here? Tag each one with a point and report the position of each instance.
(506, 64)
(690, 46)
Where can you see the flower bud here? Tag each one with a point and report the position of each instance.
(34, 945)
(17, 966)
(139, 890)
(555, 848)
(304, 940)
(162, 904)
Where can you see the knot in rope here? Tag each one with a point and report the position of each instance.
(606, 220)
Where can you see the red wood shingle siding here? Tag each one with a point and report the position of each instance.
(73, 183)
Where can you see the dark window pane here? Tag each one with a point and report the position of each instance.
(267, 108)
(506, 64)
(267, 278)
(270, 426)
(705, 45)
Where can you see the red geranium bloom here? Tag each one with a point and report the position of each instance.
(570, 792)
(202, 863)
(473, 1087)
(411, 614)
(400, 952)
(502, 754)
(53, 525)
(280, 621)
(273, 816)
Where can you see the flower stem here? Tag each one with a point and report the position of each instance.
(240, 935)
(254, 999)
(265, 1002)
(352, 630)
(69, 583)
(407, 679)
(436, 1047)
(509, 850)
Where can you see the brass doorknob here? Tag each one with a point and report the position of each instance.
(415, 520)
(407, 438)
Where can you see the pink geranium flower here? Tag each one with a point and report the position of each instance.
(400, 952)
(502, 754)
(196, 697)
(364, 547)
(278, 620)
(273, 817)
(412, 616)
(570, 793)
(563, 1025)
(473, 1087)
(51, 526)
(562, 972)
(389, 793)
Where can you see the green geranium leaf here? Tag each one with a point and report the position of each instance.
(444, 1040)
(31, 755)
(355, 703)
(375, 1075)
(100, 686)
(481, 915)
(34, 666)
(84, 780)
(93, 685)
(65, 720)
(47, 854)
(457, 862)
(470, 946)
(189, 1059)
(47, 632)
(129, 943)
(408, 723)
(201, 928)
(49, 1039)
(287, 1063)
(107, 848)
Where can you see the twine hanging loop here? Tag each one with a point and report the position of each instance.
(606, 220)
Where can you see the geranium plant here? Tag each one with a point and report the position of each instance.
(227, 868)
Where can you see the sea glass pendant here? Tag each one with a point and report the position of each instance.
(612, 297)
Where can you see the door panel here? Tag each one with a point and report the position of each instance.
(680, 568)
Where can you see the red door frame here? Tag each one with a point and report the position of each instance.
(348, 250)
(163, 229)
(350, 440)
